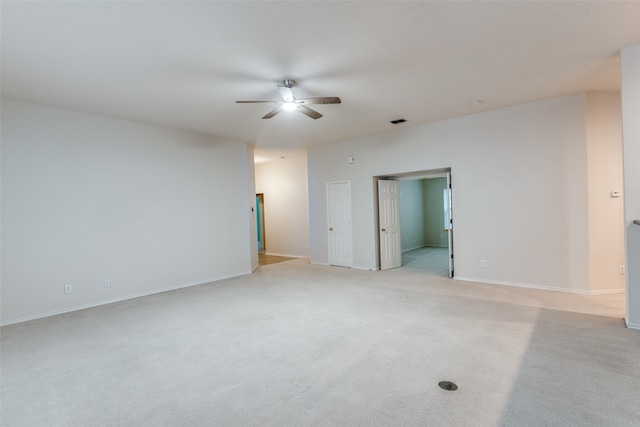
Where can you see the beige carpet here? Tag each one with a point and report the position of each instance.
(302, 345)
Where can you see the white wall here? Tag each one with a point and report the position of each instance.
(86, 197)
(412, 215)
(520, 196)
(630, 66)
(606, 213)
(421, 213)
(286, 205)
(434, 212)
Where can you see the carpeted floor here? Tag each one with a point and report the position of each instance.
(428, 259)
(303, 345)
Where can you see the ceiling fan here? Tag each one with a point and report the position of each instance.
(290, 103)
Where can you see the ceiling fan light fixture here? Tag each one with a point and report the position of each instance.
(290, 103)
(289, 106)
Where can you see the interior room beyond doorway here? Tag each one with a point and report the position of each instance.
(422, 224)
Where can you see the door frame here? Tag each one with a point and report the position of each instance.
(449, 225)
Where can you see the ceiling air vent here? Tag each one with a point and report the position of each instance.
(398, 121)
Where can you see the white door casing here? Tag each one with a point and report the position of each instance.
(449, 223)
(339, 223)
(389, 222)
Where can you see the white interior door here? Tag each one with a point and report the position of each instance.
(448, 218)
(339, 223)
(389, 221)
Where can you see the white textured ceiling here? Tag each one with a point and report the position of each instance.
(184, 64)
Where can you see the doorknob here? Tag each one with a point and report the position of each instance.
(383, 229)
(330, 228)
(446, 230)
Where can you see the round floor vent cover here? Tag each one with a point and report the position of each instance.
(447, 385)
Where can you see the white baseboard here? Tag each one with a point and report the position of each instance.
(354, 267)
(359, 267)
(539, 287)
(632, 326)
(607, 291)
(423, 246)
(114, 300)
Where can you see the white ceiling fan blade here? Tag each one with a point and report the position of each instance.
(272, 113)
(286, 93)
(309, 112)
(256, 102)
(321, 100)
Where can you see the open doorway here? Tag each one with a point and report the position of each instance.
(424, 224)
(260, 222)
(425, 240)
(263, 257)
